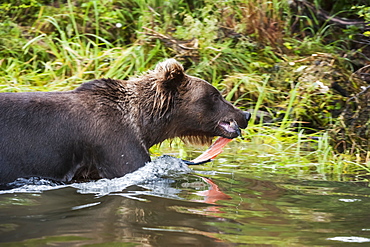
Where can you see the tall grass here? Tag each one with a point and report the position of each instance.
(238, 46)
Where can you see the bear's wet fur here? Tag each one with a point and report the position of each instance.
(105, 127)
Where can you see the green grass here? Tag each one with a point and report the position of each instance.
(244, 48)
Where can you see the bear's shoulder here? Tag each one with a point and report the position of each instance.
(99, 84)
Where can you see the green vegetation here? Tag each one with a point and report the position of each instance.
(277, 60)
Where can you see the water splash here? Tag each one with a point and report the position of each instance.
(351, 239)
(157, 173)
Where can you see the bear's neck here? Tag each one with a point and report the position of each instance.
(157, 128)
(146, 110)
(156, 111)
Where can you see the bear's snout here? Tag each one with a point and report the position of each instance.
(243, 123)
(231, 128)
(247, 115)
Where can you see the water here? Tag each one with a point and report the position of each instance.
(168, 204)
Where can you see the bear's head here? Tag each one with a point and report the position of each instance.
(192, 108)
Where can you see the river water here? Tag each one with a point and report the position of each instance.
(167, 203)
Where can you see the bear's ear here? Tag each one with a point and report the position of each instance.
(169, 72)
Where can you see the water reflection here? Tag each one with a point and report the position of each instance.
(222, 209)
(155, 221)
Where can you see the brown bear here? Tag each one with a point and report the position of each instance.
(105, 127)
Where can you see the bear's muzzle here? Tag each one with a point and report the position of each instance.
(231, 128)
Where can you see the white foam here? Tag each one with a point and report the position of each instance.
(153, 174)
(351, 239)
(164, 166)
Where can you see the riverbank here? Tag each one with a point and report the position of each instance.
(294, 68)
